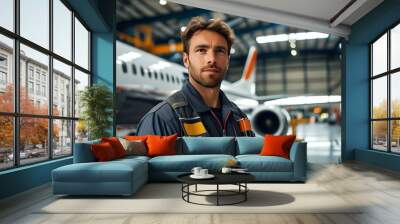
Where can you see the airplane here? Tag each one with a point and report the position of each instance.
(144, 79)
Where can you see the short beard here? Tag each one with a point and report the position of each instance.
(200, 82)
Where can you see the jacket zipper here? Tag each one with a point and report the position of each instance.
(226, 122)
(216, 118)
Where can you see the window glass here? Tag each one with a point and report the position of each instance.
(379, 98)
(34, 21)
(33, 139)
(124, 67)
(395, 47)
(62, 29)
(379, 56)
(62, 89)
(395, 94)
(134, 69)
(81, 131)
(39, 61)
(379, 135)
(81, 82)
(141, 70)
(6, 74)
(81, 45)
(6, 142)
(62, 138)
(395, 136)
(7, 14)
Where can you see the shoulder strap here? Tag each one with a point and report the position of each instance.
(181, 106)
(189, 119)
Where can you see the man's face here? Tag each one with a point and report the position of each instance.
(208, 58)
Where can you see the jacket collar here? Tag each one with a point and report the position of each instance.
(196, 101)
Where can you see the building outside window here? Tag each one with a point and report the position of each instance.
(385, 96)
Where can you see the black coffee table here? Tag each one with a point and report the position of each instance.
(238, 179)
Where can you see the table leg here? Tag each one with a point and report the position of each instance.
(245, 191)
(217, 194)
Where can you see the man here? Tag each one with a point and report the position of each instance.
(200, 108)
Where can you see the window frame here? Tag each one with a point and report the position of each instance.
(388, 74)
(15, 68)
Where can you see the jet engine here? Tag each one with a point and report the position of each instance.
(270, 120)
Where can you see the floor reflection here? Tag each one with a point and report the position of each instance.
(323, 142)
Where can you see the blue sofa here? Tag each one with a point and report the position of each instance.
(125, 176)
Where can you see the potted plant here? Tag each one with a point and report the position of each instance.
(96, 103)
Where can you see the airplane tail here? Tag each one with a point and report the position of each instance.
(247, 82)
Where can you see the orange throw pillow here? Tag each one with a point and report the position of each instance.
(116, 145)
(161, 145)
(103, 152)
(277, 145)
(136, 137)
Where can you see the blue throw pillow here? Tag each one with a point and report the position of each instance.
(249, 145)
(206, 145)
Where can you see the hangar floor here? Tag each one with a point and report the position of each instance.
(323, 142)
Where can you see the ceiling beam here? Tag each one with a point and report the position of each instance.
(269, 15)
(184, 14)
(238, 32)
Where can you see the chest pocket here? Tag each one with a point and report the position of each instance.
(189, 119)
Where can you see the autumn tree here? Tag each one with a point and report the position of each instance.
(33, 131)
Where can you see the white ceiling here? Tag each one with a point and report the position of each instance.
(314, 15)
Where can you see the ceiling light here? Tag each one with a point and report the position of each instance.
(163, 2)
(183, 28)
(292, 45)
(290, 37)
(233, 50)
(293, 52)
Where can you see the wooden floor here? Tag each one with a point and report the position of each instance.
(377, 188)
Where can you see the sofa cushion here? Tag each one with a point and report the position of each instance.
(97, 172)
(136, 137)
(185, 163)
(257, 163)
(134, 147)
(277, 145)
(206, 145)
(249, 145)
(116, 145)
(103, 151)
(83, 152)
(161, 145)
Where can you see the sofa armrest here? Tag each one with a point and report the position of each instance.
(83, 152)
(298, 155)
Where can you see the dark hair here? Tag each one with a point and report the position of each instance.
(216, 25)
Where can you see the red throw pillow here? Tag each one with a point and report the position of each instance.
(161, 145)
(116, 145)
(277, 145)
(103, 151)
